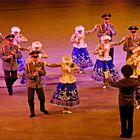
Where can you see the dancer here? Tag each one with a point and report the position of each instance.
(134, 61)
(9, 55)
(80, 53)
(103, 62)
(106, 28)
(66, 93)
(131, 42)
(16, 41)
(37, 46)
(126, 99)
(34, 71)
(18, 37)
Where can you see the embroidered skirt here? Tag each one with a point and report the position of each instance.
(81, 57)
(65, 95)
(104, 65)
(21, 62)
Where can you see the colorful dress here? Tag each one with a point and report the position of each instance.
(134, 61)
(66, 93)
(16, 41)
(80, 54)
(104, 63)
(20, 61)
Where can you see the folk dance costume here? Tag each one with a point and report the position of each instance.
(34, 71)
(9, 55)
(21, 61)
(80, 53)
(134, 61)
(104, 62)
(19, 38)
(66, 93)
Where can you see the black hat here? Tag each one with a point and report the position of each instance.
(133, 28)
(34, 52)
(106, 15)
(9, 37)
(127, 70)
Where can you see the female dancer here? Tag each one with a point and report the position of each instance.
(16, 41)
(66, 93)
(134, 61)
(80, 53)
(104, 61)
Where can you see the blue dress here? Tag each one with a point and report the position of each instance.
(81, 57)
(65, 95)
(21, 68)
(21, 62)
(104, 65)
(80, 53)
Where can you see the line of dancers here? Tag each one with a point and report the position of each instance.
(66, 93)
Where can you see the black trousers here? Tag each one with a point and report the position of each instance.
(41, 97)
(126, 118)
(111, 53)
(10, 78)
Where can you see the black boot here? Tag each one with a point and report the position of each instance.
(32, 115)
(42, 107)
(10, 90)
(32, 110)
(44, 111)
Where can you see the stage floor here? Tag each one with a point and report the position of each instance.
(52, 22)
